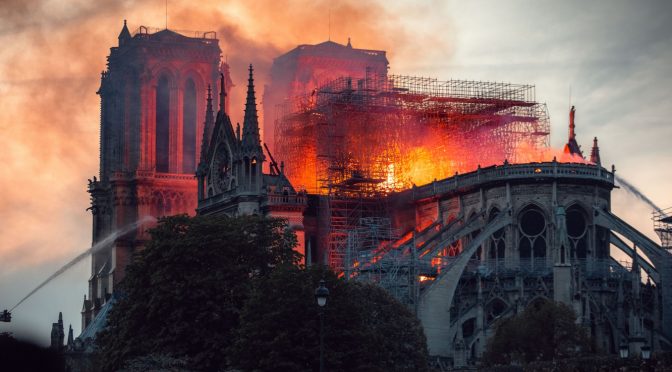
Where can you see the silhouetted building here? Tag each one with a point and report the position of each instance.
(230, 175)
(306, 67)
(152, 114)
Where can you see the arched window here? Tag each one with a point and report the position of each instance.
(494, 309)
(189, 128)
(497, 248)
(577, 230)
(246, 170)
(478, 255)
(532, 244)
(162, 124)
(253, 169)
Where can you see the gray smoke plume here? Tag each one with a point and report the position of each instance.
(95, 248)
(635, 191)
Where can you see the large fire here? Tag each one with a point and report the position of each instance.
(387, 133)
(422, 164)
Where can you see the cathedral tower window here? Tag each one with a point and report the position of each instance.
(189, 127)
(163, 124)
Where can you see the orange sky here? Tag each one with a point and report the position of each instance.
(49, 110)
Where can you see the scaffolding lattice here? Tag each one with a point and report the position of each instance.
(401, 130)
(662, 225)
(355, 140)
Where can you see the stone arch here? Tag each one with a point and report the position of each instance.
(439, 296)
(189, 125)
(537, 300)
(578, 230)
(193, 116)
(221, 167)
(473, 214)
(246, 170)
(254, 164)
(163, 92)
(532, 230)
(496, 246)
(495, 308)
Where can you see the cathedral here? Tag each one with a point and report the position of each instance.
(462, 251)
(152, 115)
(230, 174)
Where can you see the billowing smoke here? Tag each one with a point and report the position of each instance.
(627, 186)
(50, 64)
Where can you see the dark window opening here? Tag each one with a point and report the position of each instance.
(532, 244)
(189, 128)
(525, 248)
(576, 223)
(253, 169)
(532, 222)
(539, 248)
(162, 125)
(577, 229)
(495, 309)
(468, 328)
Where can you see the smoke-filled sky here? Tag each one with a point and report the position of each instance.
(615, 55)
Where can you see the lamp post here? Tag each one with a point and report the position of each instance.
(321, 294)
(624, 350)
(646, 352)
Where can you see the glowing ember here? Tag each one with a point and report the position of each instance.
(423, 278)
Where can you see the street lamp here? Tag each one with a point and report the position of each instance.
(646, 352)
(624, 351)
(321, 294)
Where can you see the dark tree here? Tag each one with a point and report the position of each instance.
(19, 356)
(366, 329)
(183, 293)
(546, 330)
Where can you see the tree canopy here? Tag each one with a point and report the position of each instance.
(546, 330)
(365, 329)
(183, 292)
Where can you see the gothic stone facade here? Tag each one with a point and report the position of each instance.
(151, 123)
(230, 174)
(504, 237)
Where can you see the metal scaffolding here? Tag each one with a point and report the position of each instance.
(356, 140)
(386, 127)
(662, 225)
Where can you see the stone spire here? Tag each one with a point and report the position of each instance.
(250, 141)
(71, 339)
(124, 35)
(57, 334)
(209, 125)
(572, 147)
(595, 153)
(222, 94)
(572, 114)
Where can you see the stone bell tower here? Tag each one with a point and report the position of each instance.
(152, 114)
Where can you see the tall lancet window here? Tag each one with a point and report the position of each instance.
(189, 132)
(162, 124)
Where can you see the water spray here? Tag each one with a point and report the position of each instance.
(635, 191)
(95, 248)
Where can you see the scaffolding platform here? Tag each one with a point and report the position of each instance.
(662, 225)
